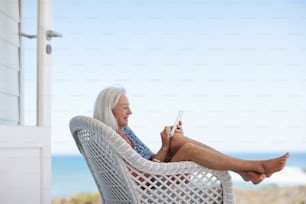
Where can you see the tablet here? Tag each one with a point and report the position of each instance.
(178, 118)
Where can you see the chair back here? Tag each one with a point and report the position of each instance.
(95, 142)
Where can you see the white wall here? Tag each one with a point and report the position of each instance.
(9, 62)
(25, 168)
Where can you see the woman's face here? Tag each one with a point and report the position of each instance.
(122, 111)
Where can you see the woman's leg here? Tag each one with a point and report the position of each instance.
(185, 149)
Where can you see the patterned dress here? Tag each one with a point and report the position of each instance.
(139, 146)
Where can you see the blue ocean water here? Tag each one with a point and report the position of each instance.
(70, 174)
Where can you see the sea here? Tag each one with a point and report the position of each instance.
(70, 174)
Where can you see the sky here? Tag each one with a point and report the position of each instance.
(236, 68)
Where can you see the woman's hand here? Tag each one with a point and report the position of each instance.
(165, 134)
(165, 137)
(179, 129)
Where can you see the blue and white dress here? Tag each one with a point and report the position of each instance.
(139, 146)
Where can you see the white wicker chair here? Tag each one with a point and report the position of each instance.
(123, 176)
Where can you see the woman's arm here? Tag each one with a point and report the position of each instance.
(161, 155)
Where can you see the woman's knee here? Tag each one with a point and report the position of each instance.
(185, 152)
(177, 141)
(188, 148)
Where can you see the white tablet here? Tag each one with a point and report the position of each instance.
(178, 118)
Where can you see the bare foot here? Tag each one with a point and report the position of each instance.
(274, 165)
(254, 177)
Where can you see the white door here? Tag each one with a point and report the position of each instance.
(25, 155)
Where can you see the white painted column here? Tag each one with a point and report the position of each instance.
(44, 93)
(43, 64)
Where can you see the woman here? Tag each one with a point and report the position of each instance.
(112, 108)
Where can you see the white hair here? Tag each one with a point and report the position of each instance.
(105, 103)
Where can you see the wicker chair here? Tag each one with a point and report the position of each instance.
(123, 176)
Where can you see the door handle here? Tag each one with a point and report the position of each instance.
(52, 34)
(27, 35)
